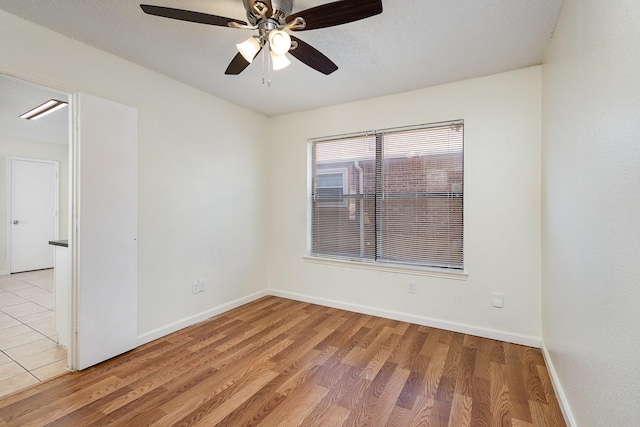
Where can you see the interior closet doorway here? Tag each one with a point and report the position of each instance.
(101, 224)
(34, 209)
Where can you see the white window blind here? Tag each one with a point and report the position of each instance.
(392, 196)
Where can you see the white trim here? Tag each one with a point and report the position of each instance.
(197, 318)
(557, 387)
(7, 243)
(73, 224)
(528, 340)
(309, 191)
(392, 268)
(3, 272)
(389, 130)
(38, 79)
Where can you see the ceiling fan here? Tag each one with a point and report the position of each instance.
(272, 19)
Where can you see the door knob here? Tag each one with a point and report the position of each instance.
(16, 222)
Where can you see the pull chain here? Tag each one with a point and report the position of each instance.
(269, 68)
(263, 65)
(268, 64)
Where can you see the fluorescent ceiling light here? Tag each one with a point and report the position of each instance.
(42, 110)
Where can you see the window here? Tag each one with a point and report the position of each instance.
(392, 196)
(331, 186)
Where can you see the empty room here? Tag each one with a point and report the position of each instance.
(317, 213)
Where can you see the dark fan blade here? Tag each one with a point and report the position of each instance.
(238, 64)
(337, 13)
(312, 57)
(186, 15)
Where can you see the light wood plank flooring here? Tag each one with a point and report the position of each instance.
(278, 362)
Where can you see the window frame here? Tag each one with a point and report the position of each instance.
(405, 267)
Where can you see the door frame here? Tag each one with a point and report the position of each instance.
(10, 192)
(73, 92)
(66, 89)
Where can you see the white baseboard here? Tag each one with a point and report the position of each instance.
(192, 320)
(528, 340)
(557, 387)
(3, 272)
(521, 339)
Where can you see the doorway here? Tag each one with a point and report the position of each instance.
(102, 243)
(34, 166)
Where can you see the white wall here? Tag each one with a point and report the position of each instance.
(502, 116)
(37, 150)
(591, 210)
(201, 175)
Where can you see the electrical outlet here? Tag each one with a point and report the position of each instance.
(197, 286)
(411, 288)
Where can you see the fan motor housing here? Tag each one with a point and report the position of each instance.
(281, 9)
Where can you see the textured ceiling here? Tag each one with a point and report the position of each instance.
(412, 44)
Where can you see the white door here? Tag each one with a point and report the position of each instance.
(104, 243)
(34, 213)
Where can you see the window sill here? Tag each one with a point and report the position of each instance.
(392, 268)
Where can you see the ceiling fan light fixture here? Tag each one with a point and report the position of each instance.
(279, 61)
(249, 48)
(272, 19)
(280, 42)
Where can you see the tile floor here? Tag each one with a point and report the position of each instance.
(28, 350)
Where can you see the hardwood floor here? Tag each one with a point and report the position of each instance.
(278, 362)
